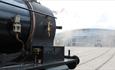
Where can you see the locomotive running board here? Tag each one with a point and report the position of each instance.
(40, 66)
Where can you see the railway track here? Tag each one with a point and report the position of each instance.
(95, 57)
(98, 61)
(98, 68)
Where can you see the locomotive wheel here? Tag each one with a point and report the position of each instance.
(73, 65)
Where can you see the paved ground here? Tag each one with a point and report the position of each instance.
(94, 58)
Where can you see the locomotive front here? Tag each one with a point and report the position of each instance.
(32, 22)
(27, 31)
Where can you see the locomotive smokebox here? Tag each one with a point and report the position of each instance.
(19, 25)
(27, 31)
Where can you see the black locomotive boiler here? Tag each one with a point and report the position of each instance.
(27, 31)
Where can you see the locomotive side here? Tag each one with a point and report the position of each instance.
(27, 31)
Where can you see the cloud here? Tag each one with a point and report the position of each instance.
(83, 14)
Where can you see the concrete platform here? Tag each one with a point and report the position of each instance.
(94, 58)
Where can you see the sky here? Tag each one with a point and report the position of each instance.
(80, 14)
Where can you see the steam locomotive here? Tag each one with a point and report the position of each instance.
(27, 31)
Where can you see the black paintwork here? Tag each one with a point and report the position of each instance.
(7, 37)
(11, 55)
(40, 37)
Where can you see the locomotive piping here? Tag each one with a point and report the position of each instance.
(33, 21)
(17, 37)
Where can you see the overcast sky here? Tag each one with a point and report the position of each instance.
(74, 14)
